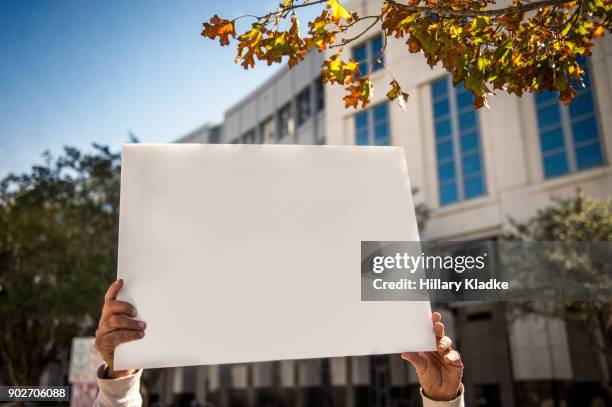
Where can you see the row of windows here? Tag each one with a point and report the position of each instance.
(281, 125)
(569, 136)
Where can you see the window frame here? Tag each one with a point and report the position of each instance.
(303, 116)
(368, 44)
(280, 134)
(566, 122)
(250, 137)
(319, 95)
(457, 157)
(371, 124)
(268, 123)
(214, 135)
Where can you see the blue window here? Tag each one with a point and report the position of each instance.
(361, 128)
(569, 135)
(369, 54)
(457, 136)
(372, 126)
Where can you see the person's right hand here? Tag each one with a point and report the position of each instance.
(116, 326)
(439, 372)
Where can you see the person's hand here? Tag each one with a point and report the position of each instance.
(116, 326)
(439, 372)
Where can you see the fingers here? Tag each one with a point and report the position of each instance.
(115, 325)
(453, 358)
(113, 306)
(120, 322)
(436, 317)
(113, 339)
(113, 290)
(117, 307)
(444, 345)
(439, 329)
(416, 358)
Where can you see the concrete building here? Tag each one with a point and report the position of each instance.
(475, 170)
(287, 109)
(208, 133)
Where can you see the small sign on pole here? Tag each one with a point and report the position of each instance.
(84, 363)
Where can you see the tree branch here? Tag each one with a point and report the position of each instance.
(365, 30)
(282, 12)
(446, 11)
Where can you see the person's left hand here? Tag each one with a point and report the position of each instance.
(439, 372)
(117, 325)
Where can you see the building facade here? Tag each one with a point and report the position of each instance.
(475, 170)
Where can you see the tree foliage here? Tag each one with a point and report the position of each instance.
(526, 46)
(58, 231)
(577, 219)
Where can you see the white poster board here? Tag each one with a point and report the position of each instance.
(244, 253)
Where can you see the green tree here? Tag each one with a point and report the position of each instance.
(422, 213)
(577, 219)
(58, 233)
(525, 46)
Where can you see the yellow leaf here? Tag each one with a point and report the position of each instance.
(338, 11)
(396, 93)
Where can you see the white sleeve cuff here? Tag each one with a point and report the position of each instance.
(458, 402)
(121, 392)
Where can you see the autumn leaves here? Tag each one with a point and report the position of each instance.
(524, 47)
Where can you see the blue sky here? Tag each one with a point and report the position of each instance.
(75, 72)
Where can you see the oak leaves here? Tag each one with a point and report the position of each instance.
(517, 48)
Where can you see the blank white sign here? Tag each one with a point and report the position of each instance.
(244, 253)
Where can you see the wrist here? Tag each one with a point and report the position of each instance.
(110, 373)
(437, 396)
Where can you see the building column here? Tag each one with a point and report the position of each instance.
(250, 371)
(293, 121)
(313, 112)
(258, 138)
(350, 388)
(299, 395)
(277, 128)
(225, 383)
(167, 386)
(201, 384)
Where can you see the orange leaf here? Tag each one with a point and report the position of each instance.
(218, 27)
(599, 32)
(414, 45)
(359, 91)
